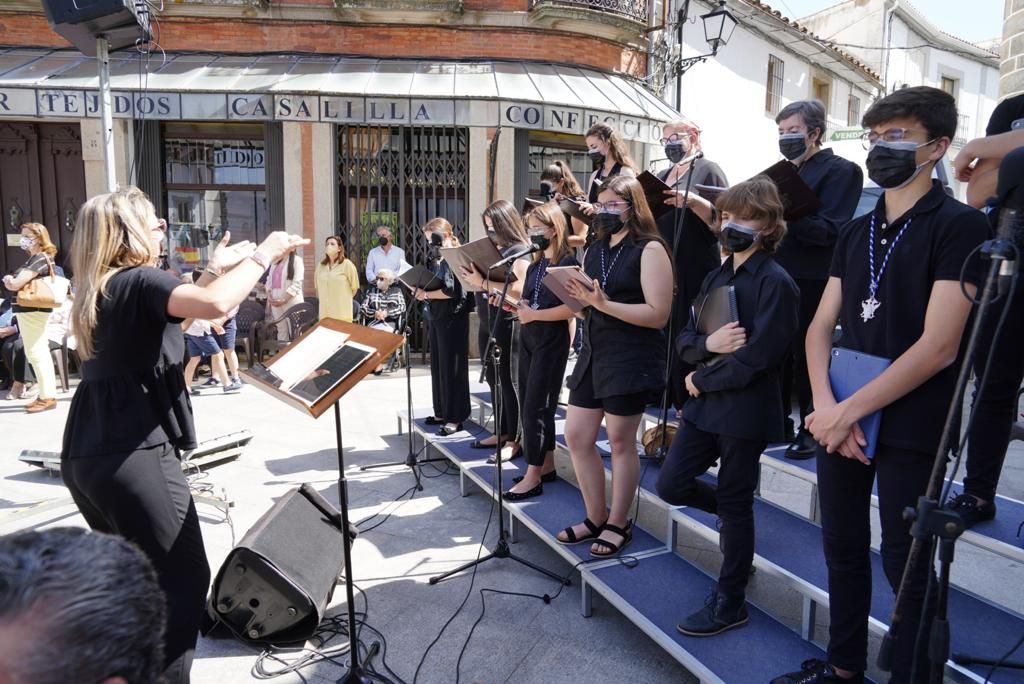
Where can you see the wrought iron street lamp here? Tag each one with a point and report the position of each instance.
(719, 25)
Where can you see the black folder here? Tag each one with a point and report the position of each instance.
(718, 308)
(798, 200)
(654, 190)
(573, 209)
(420, 278)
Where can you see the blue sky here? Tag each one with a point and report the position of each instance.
(983, 21)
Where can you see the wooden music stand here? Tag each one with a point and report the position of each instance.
(262, 377)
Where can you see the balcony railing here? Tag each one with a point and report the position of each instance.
(963, 130)
(632, 9)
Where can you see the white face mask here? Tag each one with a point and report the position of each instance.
(26, 243)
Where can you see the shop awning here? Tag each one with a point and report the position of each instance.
(61, 83)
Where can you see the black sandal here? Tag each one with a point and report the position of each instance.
(571, 537)
(614, 549)
(449, 429)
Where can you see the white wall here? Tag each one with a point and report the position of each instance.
(725, 96)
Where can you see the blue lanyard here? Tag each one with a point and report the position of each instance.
(538, 275)
(873, 284)
(605, 273)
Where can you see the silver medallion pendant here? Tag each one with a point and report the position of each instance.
(868, 308)
(534, 305)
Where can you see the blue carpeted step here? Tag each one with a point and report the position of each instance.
(660, 590)
(793, 544)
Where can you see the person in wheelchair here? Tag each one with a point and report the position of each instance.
(383, 306)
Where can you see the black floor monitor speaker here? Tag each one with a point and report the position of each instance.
(275, 585)
(123, 22)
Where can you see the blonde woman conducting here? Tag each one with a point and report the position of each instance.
(35, 240)
(131, 415)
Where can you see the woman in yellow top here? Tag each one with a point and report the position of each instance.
(337, 281)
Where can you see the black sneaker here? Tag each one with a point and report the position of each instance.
(721, 612)
(816, 672)
(972, 512)
(803, 447)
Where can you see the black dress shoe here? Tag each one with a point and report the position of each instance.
(432, 420)
(546, 477)
(972, 512)
(803, 447)
(449, 429)
(477, 444)
(528, 494)
(816, 672)
(720, 613)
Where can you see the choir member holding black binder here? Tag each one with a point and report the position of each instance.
(733, 412)
(447, 313)
(543, 349)
(895, 288)
(504, 226)
(696, 253)
(807, 251)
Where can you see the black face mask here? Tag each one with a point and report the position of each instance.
(436, 239)
(893, 165)
(736, 238)
(606, 224)
(540, 240)
(596, 157)
(547, 190)
(382, 241)
(792, 145)
(675, 152)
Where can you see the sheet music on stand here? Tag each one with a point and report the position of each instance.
(317, 369)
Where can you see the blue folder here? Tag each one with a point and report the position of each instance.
(848, 372)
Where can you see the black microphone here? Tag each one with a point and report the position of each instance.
(1010, 194)
(521, 251)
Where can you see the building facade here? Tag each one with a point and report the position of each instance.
(769, 62)
(318, 116)
(898, 42)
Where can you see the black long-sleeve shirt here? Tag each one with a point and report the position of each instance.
(806, 251)
(739, 394)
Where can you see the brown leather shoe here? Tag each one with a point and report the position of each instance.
(41, 405)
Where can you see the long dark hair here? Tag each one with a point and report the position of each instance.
(508, 224)
(559, 172)
(616, 145)
(640, 223)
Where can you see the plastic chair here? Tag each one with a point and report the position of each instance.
(299, 318)
(250, 314)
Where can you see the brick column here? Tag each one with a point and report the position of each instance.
(1011, 68)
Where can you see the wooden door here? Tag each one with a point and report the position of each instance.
(62, 177)
(20, 196)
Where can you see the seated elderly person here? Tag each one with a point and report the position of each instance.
(78, 606)
(383, 305)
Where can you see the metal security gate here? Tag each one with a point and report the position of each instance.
(401, 177)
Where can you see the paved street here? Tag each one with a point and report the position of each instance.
(520, 639)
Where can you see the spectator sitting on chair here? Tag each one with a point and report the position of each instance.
(15, 370)
(78, 606)
(383, 305)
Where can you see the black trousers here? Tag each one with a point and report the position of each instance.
(503, 336)
(143, 497)
(449, 367)
(794, 369)
(844, 490)
(543, 354)
(693, 451)
(995, 404)
(12, 350)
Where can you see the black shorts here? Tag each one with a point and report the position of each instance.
(617, 405)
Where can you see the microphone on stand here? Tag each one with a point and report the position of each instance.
(518, 253)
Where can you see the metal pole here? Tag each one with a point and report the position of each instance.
(683, 11)
(106, 116)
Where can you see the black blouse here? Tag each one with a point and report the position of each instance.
(624, 358)
(133, 393)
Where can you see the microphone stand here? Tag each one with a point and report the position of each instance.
(501, 549)
(680, 223)
(932, 523)
(411, 460)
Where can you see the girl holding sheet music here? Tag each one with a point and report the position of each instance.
(543, 350)
(733, 412)
(447, 312)
(622, 362)
(505, 228)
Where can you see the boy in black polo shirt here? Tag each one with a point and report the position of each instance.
(895, 290)
(734, 410)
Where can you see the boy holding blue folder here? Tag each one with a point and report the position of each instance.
(895, 290)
